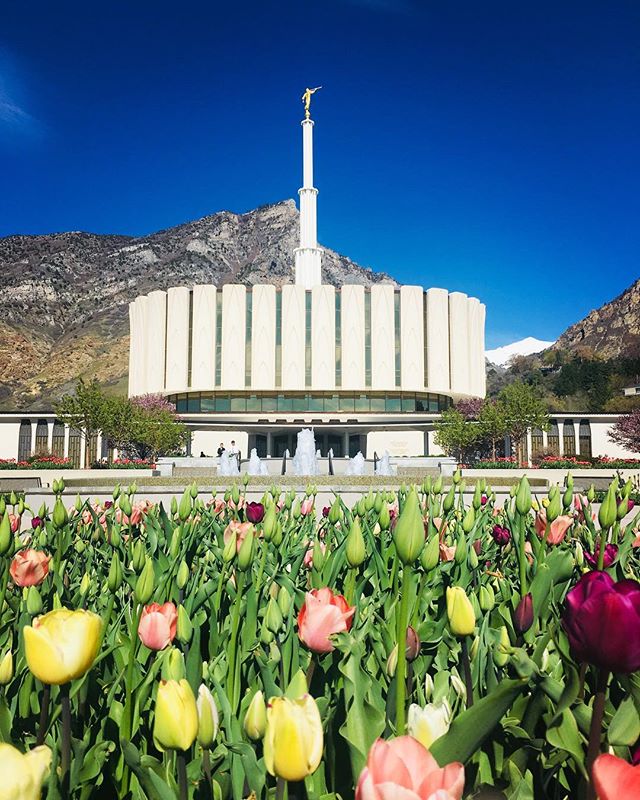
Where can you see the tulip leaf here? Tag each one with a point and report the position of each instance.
(624, 728)
(566, 736)
(365, 719)
(472, 727)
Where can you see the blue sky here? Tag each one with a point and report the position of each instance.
(485, 147)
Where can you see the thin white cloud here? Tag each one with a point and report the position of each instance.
(17, 123)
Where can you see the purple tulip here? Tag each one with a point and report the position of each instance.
(610, 553)
(325, 511)
(483, 500)
(630, 505)
(255, 512)
(501, 536)
(523, 615)
(602, 620)
(412, 648)
(36, 522)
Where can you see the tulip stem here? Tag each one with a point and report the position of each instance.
(65, 756)
(401, 668)
(206, 766)
(44, 715)
(595, 731)
(522, 558)
(601, 548)
(281, 789)
(466, 669)
(263, 557)
(233, 684)
(181, 765)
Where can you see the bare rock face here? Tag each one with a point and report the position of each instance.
(611, 331)
(66, 295)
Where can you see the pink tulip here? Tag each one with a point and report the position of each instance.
(157, 627)
(323, 614)
(306, 506)
(614, 779)
(14, 521)
(241, 529)
(403, 769)
(447, 553)
(29, 567)
(557, 530)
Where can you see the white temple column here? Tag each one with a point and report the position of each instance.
(308, 257)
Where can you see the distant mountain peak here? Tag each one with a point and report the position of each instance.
(523, 347)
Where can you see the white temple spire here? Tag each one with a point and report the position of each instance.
(308, 257)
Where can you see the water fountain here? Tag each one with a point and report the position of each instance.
(256, 466)
(356, 465)
(229, 464)
(383, 466)
(305, 460)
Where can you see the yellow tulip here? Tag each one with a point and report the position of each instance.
(62, 645)
(255, 720)
(462, 619)
(429, 723)
(293, 740)
(6, 668)
(176, 722)
(23, 774)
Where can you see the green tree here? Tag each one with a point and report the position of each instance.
(523, 409)
(143, 429)
(455, 434)
(83, 410)
(493, 423)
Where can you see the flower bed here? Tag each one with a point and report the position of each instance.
(124, 463)
(369, 647)
(37, 462)
(498, 463)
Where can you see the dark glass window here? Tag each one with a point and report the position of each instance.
(24, 440)
(57, 441)
(585, 438)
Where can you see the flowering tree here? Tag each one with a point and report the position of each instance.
(626, 431)
(153, 402)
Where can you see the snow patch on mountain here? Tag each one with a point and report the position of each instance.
(523, 347)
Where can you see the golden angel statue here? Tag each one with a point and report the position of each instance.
(306, 99)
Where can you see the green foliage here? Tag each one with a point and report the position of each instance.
(523, 408)
(455, 434)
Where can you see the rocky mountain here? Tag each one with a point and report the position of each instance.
(65, 296)
(611, 331)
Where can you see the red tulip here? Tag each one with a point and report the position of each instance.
(157, 627)
(29, 567)
(523, 615)
(323, 614)
(501, 535)
(557, 529)
(403, 769)
(254, 512)
(610, 553)
(602, 620)
(614, 779)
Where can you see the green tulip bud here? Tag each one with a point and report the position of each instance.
(554, 490)
(21, 507)
(355, 550)
(114, 580)
(505, 591)
(477, 497)
(139, 556)
(266, 637)
(79, 546)
(501, 652)
(461, 550)
(173, 665)
(235, 494)
(523, 497)
(622, 508)
(245, 554)
(184, 507)
(42, 511)
(59, 516)
(116, 492)
(273, 616)
(125, 505)
(3, 505)
(269, 522)
(6, 668)
(430, 556)
(115, 537)
(255, 720)
(174, 506)
(295, 509)
(277, 535)
(472, 559)
(361, 508)
(369, 501)
(437, 486)
(457, 477)
(176, 541)
(13, 498)
(184, 628)
(318, 556)
(230, 548)
(378, 504)
(591, 493)
(335, 512)
(284, 600)
(34, 601)
(608, 512)
(408, 535)
(6, 537)
(85, 584)
(193, 490)
(384, 518)
(208, 718)
(469, 520)
(78, 503)
(426, 485)
(183, 574)
(392, 661)
(449, 500)
(554, 508)
(567, 498)
(145, 583)
(486, 598)
(579, 555)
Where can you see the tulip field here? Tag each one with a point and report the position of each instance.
(425, 644)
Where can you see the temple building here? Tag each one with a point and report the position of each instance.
(369, 368)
